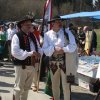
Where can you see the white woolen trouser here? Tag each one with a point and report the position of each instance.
(23, 81)
(56, 85)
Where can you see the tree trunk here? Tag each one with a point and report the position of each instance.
(81, 5)
(58, 10)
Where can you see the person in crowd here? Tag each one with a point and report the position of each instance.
(2, 41)
(10, 33)
(90, 40)
(26, 53)
(36, 33)
(74, 31)
(96, 53)
(57, 44)
(81, 36)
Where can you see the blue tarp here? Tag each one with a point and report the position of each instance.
(97, 17)
(94, 14)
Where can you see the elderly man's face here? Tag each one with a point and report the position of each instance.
(26, 26)
(86, 28)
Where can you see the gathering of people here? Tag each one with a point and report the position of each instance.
(55, 53)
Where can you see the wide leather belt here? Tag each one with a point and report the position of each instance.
(57, 57)
(57, 61)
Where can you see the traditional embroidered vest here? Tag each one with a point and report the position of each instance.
(25, 45)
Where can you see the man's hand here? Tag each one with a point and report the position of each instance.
(36, 54)
(61, 51)
(83, 42)
(95, 53)
(58, 50)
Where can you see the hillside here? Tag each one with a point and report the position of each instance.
(14, 9)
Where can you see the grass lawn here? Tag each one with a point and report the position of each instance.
(98, 39)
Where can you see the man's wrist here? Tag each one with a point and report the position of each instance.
(30, 53)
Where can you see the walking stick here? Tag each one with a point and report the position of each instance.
(38, 74)
(13, 97)
(0, 98)
(70, 91)
(70, 80)
(98, 94)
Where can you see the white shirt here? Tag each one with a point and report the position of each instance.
(10, 33)
(51, 39)
(19, 53)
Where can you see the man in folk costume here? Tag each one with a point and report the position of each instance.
(26, 51)
(90, 40)
(56, 45)
(35, 32)
(10, 33)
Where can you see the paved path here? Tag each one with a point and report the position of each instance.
(7, 83)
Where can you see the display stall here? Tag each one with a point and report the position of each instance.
(89, 67)
(88, 70)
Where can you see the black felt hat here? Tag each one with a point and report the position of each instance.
(54, 19)
(25, 18)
